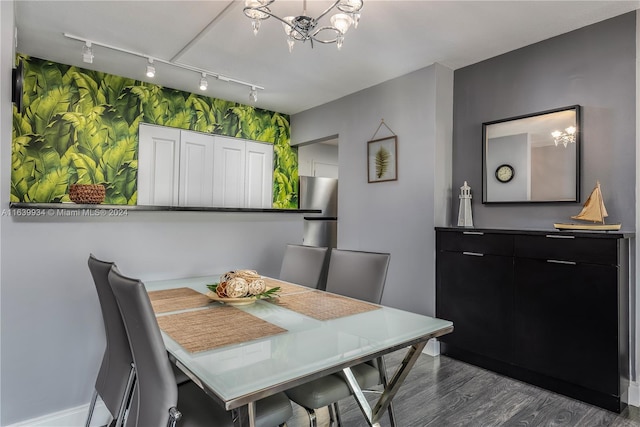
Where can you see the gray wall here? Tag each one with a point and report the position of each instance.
(549, 163)
(396, 216)
(593, 67)
(511, 150)
(51, 333)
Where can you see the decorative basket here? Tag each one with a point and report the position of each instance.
(92, 194)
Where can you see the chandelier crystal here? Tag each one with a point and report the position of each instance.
(566, 137)
(303, 27)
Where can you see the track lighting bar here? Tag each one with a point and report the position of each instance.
(202, 72)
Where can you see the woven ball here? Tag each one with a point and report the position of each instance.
(237, 288)
(257, 286)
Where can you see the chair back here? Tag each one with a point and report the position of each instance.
(303, 265)
(156, 392)
(113, 376)
(358, 274)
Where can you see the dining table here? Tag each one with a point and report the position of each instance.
(239, 354)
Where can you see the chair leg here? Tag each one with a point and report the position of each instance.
(126, 398)
(92, 405)
(174, 416)
(313, 422)
(337, 411)
(332, 416)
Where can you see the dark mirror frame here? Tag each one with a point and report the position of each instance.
(491, 174)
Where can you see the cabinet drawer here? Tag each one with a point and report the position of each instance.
(475, 242)
(568, 248)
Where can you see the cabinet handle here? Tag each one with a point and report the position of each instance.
(472, 253)
(475, 233)
(559, 236)
(557, 261)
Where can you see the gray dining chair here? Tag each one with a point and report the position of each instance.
(116, 375)
(360, 275)
(114, 383)
(304, 265)
(157, 401)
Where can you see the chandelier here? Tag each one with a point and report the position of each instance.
(566, 137)
(303, 27)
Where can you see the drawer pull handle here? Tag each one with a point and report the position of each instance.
(557, 261)
(475, 233)
(472, 253)
(559, 236)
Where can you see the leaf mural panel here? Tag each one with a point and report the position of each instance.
(90, 94)
(81, 126)
(52, 187)
(43, 109)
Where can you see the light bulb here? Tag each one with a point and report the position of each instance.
(571, 130)
(288, 28)
(253, 94)
(87, 53)
(356, 19)
(341, 21)
(255, 24)
(350, 6)
(254, 9)
(203, 82)
(151, 70)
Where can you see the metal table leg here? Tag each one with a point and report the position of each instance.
(374, 415)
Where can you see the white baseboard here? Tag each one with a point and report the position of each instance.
(70, 417)
(634, 394)
(432, 348)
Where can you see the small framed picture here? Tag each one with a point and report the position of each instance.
(382, 159)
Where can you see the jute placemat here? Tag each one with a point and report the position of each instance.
(285, 287)
(177, 299)
(323, 306)
(203, 330)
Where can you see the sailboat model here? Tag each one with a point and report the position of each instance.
(593, 211)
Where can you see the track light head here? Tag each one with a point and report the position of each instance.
(151, 70)
(253, 94)
(203, 82)
(87, 53)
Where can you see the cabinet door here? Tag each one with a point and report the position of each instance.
(475, 292)
(567, 315)
(158, 165)
(228, 172)
(196, 169)
(258, 175)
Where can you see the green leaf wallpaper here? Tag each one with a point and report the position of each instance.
(79, 126)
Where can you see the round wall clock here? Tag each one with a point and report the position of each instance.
(504, 173)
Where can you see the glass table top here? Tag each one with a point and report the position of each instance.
(240, 373)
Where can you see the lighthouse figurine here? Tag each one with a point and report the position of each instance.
(465, 219)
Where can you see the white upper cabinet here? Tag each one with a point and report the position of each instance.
(258, 175)
(158, 165)
(186, 168)
(196, 169)
(228, 172)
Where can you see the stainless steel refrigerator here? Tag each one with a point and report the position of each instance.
(320, 229)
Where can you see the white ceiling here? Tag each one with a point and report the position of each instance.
(393, 39)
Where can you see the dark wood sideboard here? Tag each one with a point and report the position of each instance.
(548, 308)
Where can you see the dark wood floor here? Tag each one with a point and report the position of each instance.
(443, 392)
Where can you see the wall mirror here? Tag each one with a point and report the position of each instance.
(532, 158)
